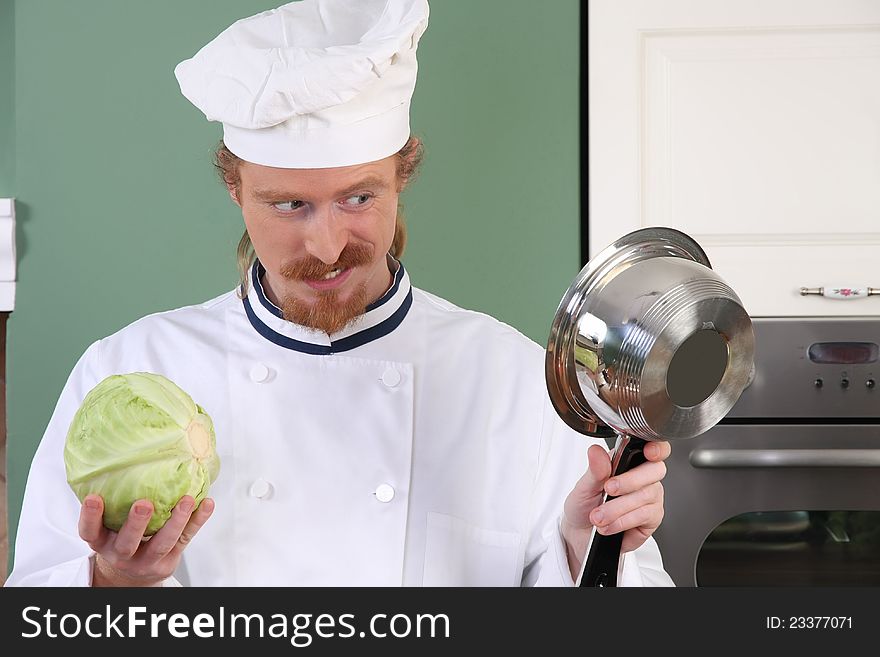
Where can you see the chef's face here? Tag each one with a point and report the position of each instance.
(323, 236)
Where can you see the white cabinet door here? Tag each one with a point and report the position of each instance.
(751, 125)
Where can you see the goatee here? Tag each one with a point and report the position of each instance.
(328, 313)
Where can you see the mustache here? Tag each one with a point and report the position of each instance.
(311, 268)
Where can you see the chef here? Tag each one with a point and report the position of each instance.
(369, 432)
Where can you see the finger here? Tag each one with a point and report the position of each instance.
(166, 538)
(198, 519)
(639, 477)
(642, 521)
(593, 480)
(637, 526)
(131, 534)
(635, 537)
(657, 450)
(91, 522)
(608, 515)
(587, 492)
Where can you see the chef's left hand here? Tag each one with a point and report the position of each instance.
(636, 510)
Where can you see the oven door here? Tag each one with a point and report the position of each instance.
(774, 505)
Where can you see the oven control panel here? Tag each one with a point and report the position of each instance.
(814, 367)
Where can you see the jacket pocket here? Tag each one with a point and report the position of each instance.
(458, 553)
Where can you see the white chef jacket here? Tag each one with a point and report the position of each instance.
(416, 447)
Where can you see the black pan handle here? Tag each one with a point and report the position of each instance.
(603, 557)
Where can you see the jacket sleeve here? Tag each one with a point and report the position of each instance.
(48, 549)
(562, 461)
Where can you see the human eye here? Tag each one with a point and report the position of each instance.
(287, 206)
(357, 201)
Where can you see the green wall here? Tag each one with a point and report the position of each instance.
(7, 98)
(120, 214)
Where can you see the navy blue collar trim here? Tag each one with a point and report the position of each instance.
(257, 272)
(304, 345)
(346, 344)
(395, 285)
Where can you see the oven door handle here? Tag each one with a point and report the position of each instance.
(785, 458)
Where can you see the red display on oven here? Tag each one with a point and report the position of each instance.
(843, 353)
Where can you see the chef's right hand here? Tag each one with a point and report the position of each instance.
(124, 558)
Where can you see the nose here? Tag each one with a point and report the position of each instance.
(327, 237)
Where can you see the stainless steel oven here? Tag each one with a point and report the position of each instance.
(785, 490)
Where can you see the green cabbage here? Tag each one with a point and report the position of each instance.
(139, 436)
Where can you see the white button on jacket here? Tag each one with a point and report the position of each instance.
(261, 489)
(259, 373)
(391, 377)
(385, 493)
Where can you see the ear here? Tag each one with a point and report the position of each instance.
(411, 158)
(233, 194)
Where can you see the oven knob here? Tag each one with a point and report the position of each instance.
(844, 383)
(818, 383)
(870, 383)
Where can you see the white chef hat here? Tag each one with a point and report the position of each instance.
(311, 84)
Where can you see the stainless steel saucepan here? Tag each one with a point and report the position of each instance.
(648, 343)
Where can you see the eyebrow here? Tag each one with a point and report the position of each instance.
(370, 182)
